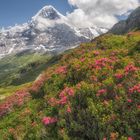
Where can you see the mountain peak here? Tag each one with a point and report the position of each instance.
(48, 30)
(48, 12)
(48, 7)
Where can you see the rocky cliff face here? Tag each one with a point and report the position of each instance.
(132, 23)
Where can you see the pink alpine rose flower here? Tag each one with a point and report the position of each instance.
(61, 70)
(49, 120)
(130, 138)
(101, 92)
(130, 69)
(129, 100)
(119, 76)
(63, 100)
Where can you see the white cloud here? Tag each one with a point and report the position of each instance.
(99, 12)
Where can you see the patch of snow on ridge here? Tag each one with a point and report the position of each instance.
(40, 48)
(10, 51)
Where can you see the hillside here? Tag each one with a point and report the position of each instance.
(16, 67)
(17, 71)
(91, 93)
(131, 23)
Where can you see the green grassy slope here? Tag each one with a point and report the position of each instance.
(19, 70)
(17, 67)
(91, 93)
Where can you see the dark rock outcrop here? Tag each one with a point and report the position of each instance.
(125, 26)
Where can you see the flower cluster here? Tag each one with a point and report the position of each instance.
(61, 70)
(129, 100)
(138, 106)
(82, 59)
(53, 101)
(101, 92)
(136, 88)
(130, 69)
(16, 99)
(119, 76)
(67, 91)
(65, 94)
(49, 120)
(100, 63)
(63, 98)
(130, 138)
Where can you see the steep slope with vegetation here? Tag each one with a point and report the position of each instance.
(17, 71)
(125, 26)
(92, 93)
(16, 67)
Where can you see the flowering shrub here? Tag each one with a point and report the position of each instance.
(129, 100)
(101, 91)
(130, 69)
(82, 59)
(63, 97)
(53, 101)
(93, 93)
(61, 70)
(16, 99)
(100, 63)
(63, 100)
(66, 91)
(130, 138)
(136, 88)
(119, 76)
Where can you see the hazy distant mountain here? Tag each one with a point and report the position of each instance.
(48, 31)
(132, 23)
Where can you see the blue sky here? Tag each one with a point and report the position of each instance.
(103, 13)
(20, 11)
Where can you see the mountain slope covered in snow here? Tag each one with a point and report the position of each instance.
(47, 31)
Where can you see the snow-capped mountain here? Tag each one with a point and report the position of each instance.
(48, 31)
